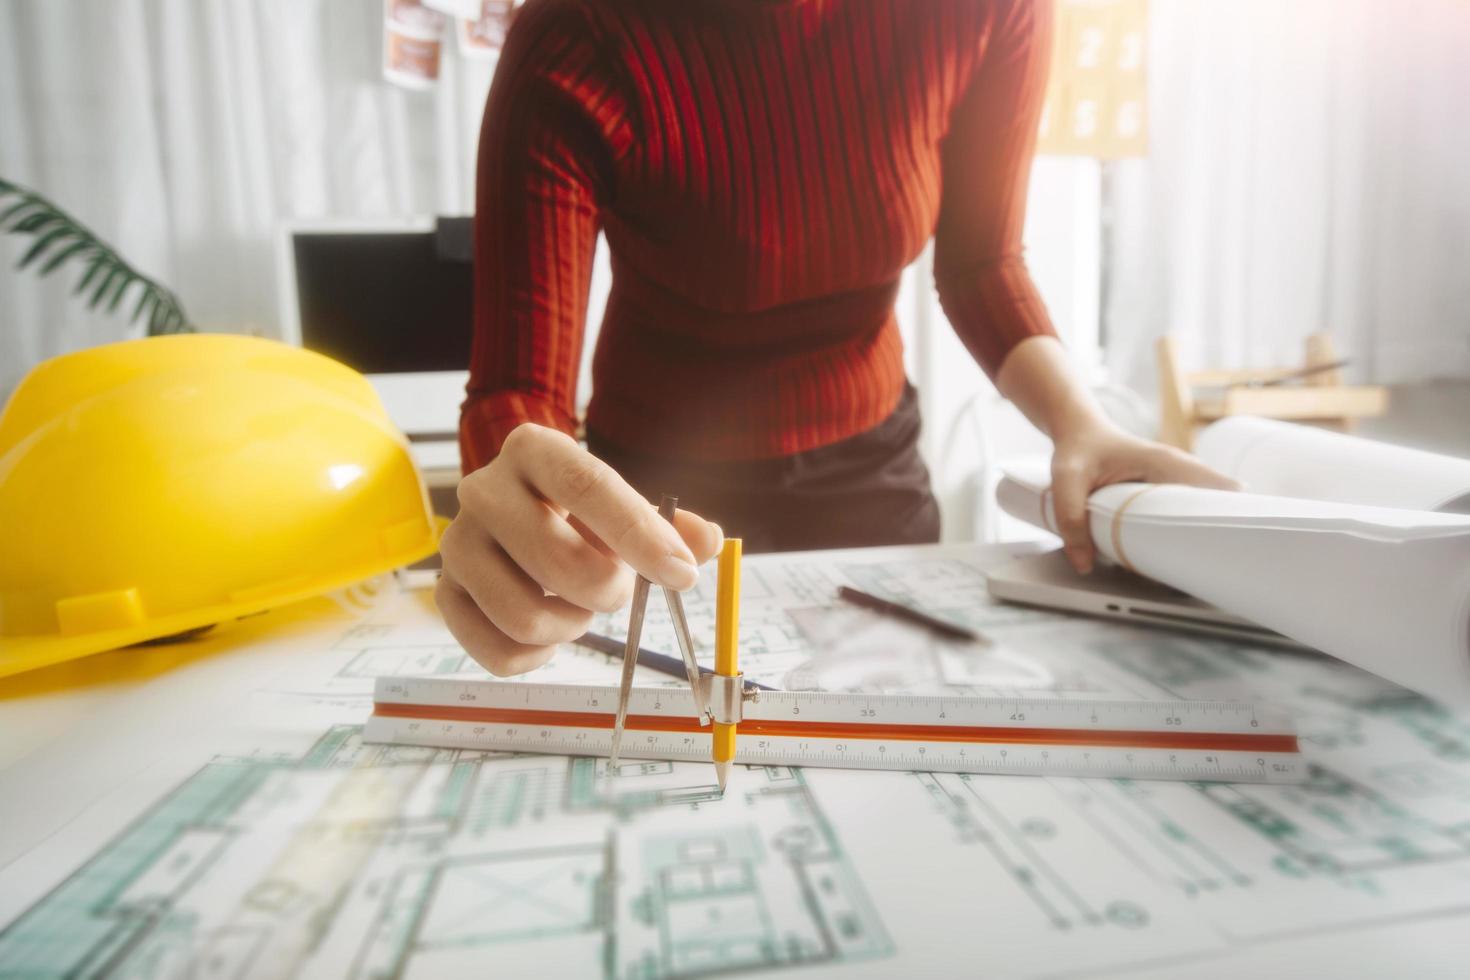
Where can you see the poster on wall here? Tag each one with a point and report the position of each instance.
(481, 36)
(1097, 93)
(412, 39)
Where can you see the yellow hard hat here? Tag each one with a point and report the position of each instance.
(155, 486)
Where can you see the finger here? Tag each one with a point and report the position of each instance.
(559, 558)
(703, 537)
(587, 488)
(1173, 466)
(507, 596)
(1071, 486)
(485, 644)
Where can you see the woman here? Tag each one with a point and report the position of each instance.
(763, 172)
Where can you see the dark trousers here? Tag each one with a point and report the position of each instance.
(871, 489)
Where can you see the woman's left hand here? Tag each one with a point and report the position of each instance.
(1099, 453)
(1088, 450)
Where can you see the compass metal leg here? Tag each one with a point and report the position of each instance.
(686, 647)
(666, 508)
(630, 661)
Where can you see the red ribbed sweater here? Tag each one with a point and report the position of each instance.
(763, 173)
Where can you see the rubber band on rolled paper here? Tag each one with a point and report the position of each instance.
(1046, 505)
(1117, 528)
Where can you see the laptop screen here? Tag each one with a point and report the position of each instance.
(387, 302)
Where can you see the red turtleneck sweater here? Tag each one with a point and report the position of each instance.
(763, 173)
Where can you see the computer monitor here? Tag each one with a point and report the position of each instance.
(393, 301)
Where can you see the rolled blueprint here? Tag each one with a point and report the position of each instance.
(1289, 460)
(1385, 589)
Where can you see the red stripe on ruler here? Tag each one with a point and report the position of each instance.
(1217, 741)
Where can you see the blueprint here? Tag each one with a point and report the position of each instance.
(365, 861)
(253, 834)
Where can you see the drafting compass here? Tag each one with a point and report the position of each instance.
(641, 586)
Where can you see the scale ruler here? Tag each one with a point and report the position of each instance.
(1189, 740)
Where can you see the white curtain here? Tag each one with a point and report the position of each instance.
(1309, 170)
(184, 132)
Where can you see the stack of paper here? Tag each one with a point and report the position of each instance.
(1386, 588)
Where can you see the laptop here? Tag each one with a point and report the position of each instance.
(1112, 592)
(393, 301)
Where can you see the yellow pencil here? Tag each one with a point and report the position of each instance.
(727, 648)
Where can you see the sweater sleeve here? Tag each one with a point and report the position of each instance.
(979, 271)
(542, 175)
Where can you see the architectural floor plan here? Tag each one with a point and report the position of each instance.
(366, 861)
(262, 838)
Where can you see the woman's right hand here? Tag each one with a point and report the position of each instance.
(547, 535)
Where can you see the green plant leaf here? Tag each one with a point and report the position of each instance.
(61, 255)
(22, 205)
(122, 287)
(101, 291)
(96, 265)
(147, 299)
(33, 223)
(42, 243)
(58, 238)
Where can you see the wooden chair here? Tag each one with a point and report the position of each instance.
(1188, 400)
